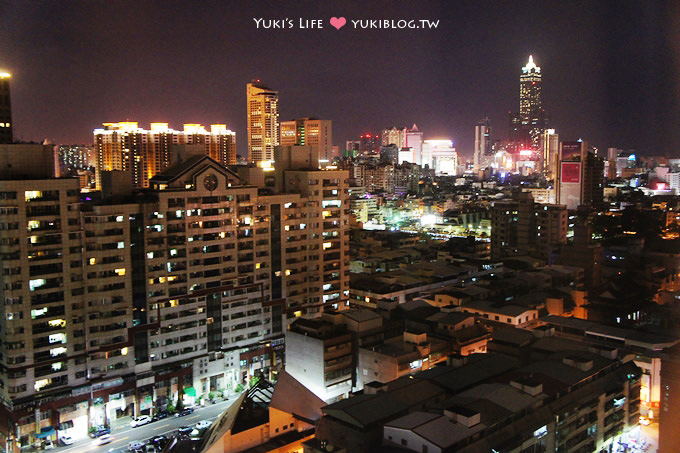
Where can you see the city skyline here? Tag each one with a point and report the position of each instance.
(606, 75)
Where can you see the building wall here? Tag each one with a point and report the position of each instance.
(405, 438)
(519, 320)
(374, 366)
(29, 161)
(304, 361)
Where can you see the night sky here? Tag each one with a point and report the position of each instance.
(610, 68)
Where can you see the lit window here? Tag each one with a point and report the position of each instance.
(31, 194)
(39, 384)
(57, 322)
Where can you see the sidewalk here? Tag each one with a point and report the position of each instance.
(120, 423)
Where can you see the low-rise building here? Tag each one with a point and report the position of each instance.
(561, 400)
(275, 418)
(399, 356)
(515, 315)
(320, 355)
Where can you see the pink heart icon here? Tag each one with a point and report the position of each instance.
(338, 22)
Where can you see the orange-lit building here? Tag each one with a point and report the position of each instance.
(124, 146)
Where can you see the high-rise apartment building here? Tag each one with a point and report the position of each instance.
(483, 154)
(262, 106)
(5, 109)
(309, 131)
(74, 158)
(121, 307)
(523, 227)
(125, 146)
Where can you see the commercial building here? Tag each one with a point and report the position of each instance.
(414, 141)
(528, 125)
(143, 153)
(262, 108)
(394, 136)
(309, 132)
(580, 178)
(441, 156)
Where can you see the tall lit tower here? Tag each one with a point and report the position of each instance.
(482, 143)
(531, 113)
(5, 110)
(263, 121)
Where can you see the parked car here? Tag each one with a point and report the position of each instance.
(203, 424)
(103, 439)
(65, 439)
(136, 445)
(186, 430)
(160, 415)
(139, 421)
(158, 441)
(100, 431)
(47, 444)
(185, 411)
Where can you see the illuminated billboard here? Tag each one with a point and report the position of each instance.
(571, 172)
(571, 151)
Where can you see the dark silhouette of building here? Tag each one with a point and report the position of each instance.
(5, 110)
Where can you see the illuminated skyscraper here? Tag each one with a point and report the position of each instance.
(482, 152)
(532, 115)
(527, 125)
(262, 106)
(5, 109)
